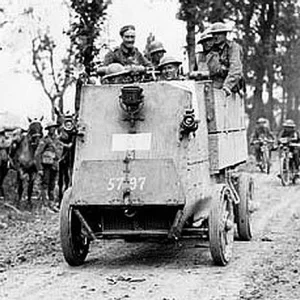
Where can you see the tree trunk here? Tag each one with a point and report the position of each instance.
(191, 44)
(217, 14)
(296, 119)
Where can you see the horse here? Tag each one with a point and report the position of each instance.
(67, 134)
(22, 156)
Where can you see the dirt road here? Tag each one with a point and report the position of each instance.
(268, 267)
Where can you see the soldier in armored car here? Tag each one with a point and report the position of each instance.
(227, 70)
(169, 67)
(126, 54)
(206, 41)
(156, 53)
(47, 157)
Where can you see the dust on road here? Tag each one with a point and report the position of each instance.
(268, 267)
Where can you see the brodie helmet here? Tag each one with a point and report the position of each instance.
(168, 60)
(51, 124)
(289, 123)
(156, 46)
(205, 35)
(219, 27)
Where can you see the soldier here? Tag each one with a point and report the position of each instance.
(126, 54)
(47, 157)
(206, 41)
(156, 53)
(227, 70)
(261, 132)
(5, 143)
(6, 146)
(169, 67)
(289, 131)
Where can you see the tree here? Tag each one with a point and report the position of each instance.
(86, 29)
(194, 13)
(54, 81)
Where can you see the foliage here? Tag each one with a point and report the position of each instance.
(86, 29)
(54, 80)
(193, 12)
(268, 31)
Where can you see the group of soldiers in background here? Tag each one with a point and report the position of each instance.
(50, 152)
(262, 133)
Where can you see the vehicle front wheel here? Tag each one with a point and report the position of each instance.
(75, 245)
(285, 174)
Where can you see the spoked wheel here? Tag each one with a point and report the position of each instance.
(221, 226)
(266, 162)
(293, 171)
(285, 174)
(75, 245)
(245, 190)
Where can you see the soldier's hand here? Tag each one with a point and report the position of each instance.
(135, 68)
(227, 91)
(40, 173)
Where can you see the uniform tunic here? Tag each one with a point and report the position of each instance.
(49, 144)
(225, 64)
(125, 56)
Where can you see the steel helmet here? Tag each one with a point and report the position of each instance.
(51, 124)
(205, 35)
(219, 27)
(261, 121)
(156, 46)
(168, 60)
(289, 123)
(115, 68)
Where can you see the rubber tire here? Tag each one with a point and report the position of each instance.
(267, 163)
(245, 189)
(220, 256)
(75, 250)
(284, 181)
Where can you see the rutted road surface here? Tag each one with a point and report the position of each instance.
(268, 267)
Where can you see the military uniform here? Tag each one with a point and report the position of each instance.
(294, 137)
(225, 60)
(225, 65)
(125, 56)
(48, 154)
(260, 133)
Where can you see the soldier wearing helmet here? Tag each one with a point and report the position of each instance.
(126, 54)
(156, 52)
(227, 70)
(169, 67)
(206, 42)
(47, 156)
(290, 133)
(261, 133)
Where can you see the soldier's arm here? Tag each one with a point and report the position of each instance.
(109, 58)
(143, 60)
(235, 72)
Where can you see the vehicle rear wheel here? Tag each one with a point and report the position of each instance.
(285, 175)
(245, 189)
(221, 226)
(294, 172)
(75, 245)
